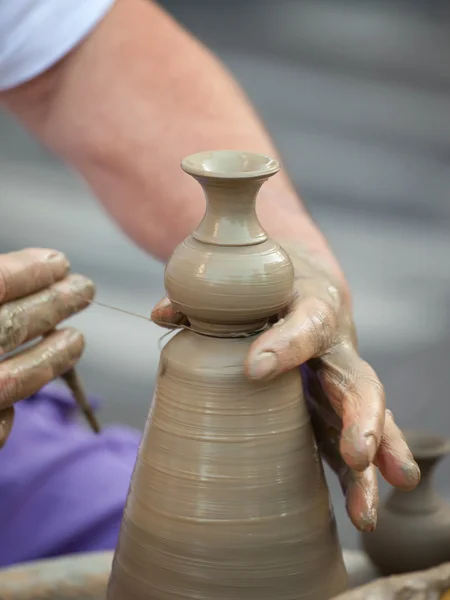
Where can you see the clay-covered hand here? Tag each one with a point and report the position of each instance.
(354, 431)
(36, 294)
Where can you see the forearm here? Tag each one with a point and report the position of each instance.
(123, 112)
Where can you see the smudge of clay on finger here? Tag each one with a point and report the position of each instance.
(356, 392)
(30, 270)
(395, 459)
(361, 490)
(26, 373)
(358, 449)
(35, 315)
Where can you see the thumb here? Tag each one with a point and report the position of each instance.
(165, 315)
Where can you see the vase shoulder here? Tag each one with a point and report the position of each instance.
(229, 498)
(234, 287)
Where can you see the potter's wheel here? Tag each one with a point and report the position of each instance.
(85, 577)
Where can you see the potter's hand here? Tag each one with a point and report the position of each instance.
(346, 399)
(36, 294)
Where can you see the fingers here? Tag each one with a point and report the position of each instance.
(361, 494)
(28, 271)
(30, 317)
(352, 386)
(358, 397)
(26, 373)
(360, 488)
(165, 315)
(6, 423)
(394, 458)
(306, 332)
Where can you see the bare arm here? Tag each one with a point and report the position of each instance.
(124, 107)
(129, 103)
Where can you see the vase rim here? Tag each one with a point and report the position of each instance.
(427, 445)
(230, 164)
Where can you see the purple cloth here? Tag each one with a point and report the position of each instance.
(62, 488)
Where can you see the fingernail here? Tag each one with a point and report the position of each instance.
(372, 447)
(80, 283)
(57, 257)
(263, 366)
(75, 341)
(165, 302)
(412, 472)
(162, 304)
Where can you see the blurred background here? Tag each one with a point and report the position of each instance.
(357, 96)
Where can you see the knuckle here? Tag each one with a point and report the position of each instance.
(321, 324)
(362, 375)
(70, 296)
(63, 349)
(13, 327)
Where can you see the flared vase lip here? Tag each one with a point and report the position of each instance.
(424, 444)
(230, 164)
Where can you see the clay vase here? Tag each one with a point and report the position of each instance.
(228, 497)
(413, 528)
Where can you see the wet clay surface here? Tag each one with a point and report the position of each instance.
(228, 277)
(235, 291)
(228, 498)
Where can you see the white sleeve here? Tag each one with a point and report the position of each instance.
(35, 34)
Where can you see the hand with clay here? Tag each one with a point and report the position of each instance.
(36, 294)
(354, 431)
(122, 109)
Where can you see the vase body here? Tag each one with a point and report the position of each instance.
(228, 498)
(413, 528)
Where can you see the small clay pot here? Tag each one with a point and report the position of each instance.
(413, 529)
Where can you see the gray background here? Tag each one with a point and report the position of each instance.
(357, 96)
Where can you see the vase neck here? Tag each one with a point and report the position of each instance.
(230, 218)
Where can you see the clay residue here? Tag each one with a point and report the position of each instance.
(433, 584)
(228, 499)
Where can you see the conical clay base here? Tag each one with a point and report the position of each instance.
(228, 498)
